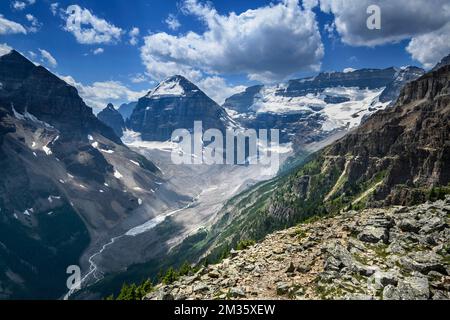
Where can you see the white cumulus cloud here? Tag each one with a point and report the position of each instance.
(134, 34)
(35, 24)
(20, 5)
(98, 51)
(88, 28)
(430, 48)
(172, 22)
(54, 8)
(425, 23)
(139, 78)
(48, 59)
(10, 27)
(4, 49)
(267, 43)
(99, 94)
(218, 89)
(400, 19)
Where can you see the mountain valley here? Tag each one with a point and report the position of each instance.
(102, 192)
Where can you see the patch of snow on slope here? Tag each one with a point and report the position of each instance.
(28, 212)
(117, 174)
(349, 114)
(133, 139)
(106, 151)
(349, 70)
(135, 163)
(96, 145)
(51, 198)
(47, 150)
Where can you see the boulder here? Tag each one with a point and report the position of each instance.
(237, 293)
(373, 234)
(282, 288)
(200, 287)
(410, 288)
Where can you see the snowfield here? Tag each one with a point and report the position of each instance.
(344, 115)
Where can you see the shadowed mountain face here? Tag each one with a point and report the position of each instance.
(126, 109)
(112, 118)
(33, 89)
(175, 103)
(66, 180)
(241, 102)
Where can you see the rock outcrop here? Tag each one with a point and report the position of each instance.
(397, 253)
(112, 118)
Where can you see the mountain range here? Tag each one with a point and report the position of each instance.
(398, 156)
(395, 160)
(305, 111)
(70, 187)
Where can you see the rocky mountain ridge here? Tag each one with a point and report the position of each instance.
(313, 109)
(396, 253)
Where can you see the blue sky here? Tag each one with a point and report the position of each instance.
(120, 49)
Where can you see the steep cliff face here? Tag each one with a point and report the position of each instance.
(408, 144)
(176, 103)
(66, 180)
(401, 78)
(113, 119)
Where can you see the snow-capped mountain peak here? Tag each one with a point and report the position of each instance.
(175, 86)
